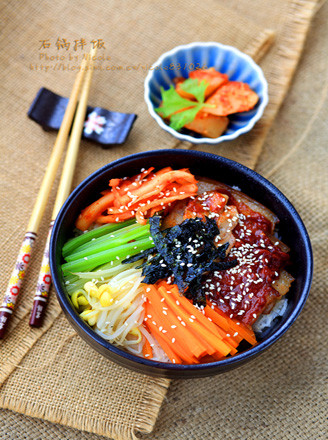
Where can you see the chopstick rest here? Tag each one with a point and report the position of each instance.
(102, 126)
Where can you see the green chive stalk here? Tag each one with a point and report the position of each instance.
(75, 242)
(119, 253)
(109, 241)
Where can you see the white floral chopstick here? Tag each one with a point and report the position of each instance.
(65, 184)
(15, 283)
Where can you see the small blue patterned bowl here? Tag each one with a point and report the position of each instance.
(225, 59)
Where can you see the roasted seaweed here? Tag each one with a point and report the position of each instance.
(186, 252)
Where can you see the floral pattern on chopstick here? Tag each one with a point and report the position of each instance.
(17, 275)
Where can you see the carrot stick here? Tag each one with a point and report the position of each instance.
(147, 350)
(193, 310)
(175, 329)
(221, 322)
(174, 358)
(228, 340)
(214, 340)
(176, 346)
(160, 337)
(239, 327)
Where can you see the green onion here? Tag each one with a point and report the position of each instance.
(72, 244)
(119, 253)
(109, 241)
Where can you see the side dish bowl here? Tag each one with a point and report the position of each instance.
(179, 61)
(291, 230)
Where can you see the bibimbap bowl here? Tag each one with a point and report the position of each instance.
(291, 231)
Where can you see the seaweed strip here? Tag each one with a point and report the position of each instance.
(187, 252)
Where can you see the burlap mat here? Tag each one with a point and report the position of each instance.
(60, 378)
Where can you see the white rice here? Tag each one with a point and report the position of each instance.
(266, 321)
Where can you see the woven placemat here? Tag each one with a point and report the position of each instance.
(282, 395)
(60, 378)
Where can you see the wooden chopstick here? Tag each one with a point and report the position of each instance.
(65, 184)
(16, 280)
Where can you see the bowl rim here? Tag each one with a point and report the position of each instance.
(169, 367)
(204, 140)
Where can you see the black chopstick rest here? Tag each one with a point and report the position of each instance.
(102, 126)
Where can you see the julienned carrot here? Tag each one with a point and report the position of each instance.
(232, 327)
(245, 332)
(177, 346)
(165, 346)
(197, 336)
(198, 328)
(228, 340)
(163, 340)
(242, 330)
(221, 322)
(172, 324)
(192, 309)
(147, 351)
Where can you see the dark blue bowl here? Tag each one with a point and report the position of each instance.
(291, 229)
